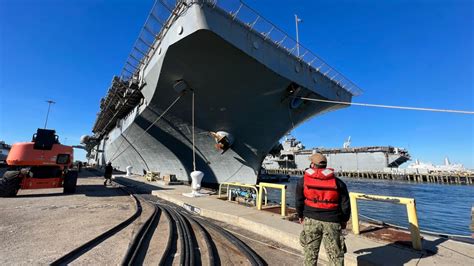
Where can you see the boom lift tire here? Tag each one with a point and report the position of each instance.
(10, 184)
(70, 182)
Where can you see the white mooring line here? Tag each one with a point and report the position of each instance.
(390, 106)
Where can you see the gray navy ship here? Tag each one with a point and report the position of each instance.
(293, 155)
(4, 150)
(222, 67)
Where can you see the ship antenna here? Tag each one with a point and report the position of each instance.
(297, 19)
(47, 114)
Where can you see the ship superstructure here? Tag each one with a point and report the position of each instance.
(224, 68)
(293, 155)
(429, 168)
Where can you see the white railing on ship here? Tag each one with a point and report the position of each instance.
(254, 21)
(156, 25)
(160, 19)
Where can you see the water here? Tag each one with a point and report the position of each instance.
(440, 208)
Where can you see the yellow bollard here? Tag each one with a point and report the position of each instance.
(411, 212)
(414, 228)
(262, 186)
(283, 202)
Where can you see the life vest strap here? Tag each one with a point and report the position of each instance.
(321, 187)
(324, 201)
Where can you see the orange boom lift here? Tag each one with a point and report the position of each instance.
(41, 163)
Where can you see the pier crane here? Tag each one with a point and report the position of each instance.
(42, 163)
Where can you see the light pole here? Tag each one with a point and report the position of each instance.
(47, 114)
(297, 19)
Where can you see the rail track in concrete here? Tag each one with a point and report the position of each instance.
(169, 235)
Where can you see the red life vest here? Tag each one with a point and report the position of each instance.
(320, 189)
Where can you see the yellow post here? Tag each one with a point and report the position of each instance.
(262, 186)
(355, 213)
(414, 228)
(259, 197)
(283, 202)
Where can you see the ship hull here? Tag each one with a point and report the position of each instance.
(237, 88)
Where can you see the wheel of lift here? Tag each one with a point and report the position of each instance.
(70, 182)
(10, 184)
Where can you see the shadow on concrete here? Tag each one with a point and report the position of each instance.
(397, 253)
(372, 229)
(87, 190)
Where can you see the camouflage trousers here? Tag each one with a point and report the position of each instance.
(313, 233)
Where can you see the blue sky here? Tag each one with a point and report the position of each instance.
(414, 53)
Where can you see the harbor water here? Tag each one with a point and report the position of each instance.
(441, 208)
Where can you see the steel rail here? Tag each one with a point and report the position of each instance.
(181, 238)
(211, 249)
(182, 219)
(79, 251)
(171, 236)
(190, 254)
(130, 257)
(136, 246)
(250, 254)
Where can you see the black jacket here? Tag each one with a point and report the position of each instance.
(342, 214)
(108, 171)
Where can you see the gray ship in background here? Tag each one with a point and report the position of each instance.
(293, 155)
(237, 72)
(4, 150)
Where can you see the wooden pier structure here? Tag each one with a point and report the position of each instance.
(440, 178)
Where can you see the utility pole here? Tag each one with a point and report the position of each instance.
(297, 19)
(47, 114)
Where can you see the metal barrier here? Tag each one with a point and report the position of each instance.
(237, 184)
(411, 211)
(262, 186)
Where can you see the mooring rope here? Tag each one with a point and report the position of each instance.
(148, 128)
(194, 146)
(389, 106)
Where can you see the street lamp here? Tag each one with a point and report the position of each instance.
(47, 114)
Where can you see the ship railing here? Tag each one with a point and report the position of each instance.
(229, 185)
(156, 25)
(159, 20)
(164, 12)
(411, 212)
(241, 12)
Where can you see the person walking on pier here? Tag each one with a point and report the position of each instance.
(79, 166)
(108, 173)
(323, 207)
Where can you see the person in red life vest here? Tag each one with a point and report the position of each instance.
(323, 207)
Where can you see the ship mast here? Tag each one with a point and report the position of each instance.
(297, 19)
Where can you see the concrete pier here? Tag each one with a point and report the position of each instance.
(38, 226)
(362, 250)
